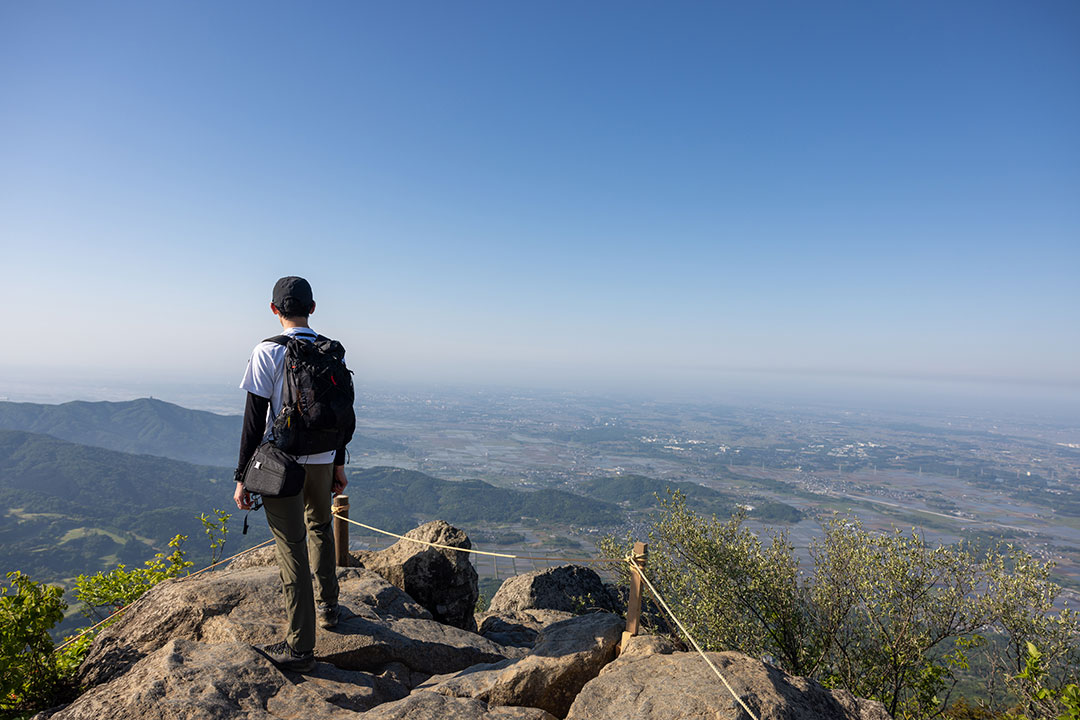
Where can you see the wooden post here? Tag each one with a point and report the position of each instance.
(633, 606)
(341, 530)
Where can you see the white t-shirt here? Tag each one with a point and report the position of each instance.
(265, 377)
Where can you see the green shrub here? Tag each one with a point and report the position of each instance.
(30, 672)
(886, 615)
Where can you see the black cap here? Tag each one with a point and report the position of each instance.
(292, 296)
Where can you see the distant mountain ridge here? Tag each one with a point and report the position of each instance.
(143, 427)
(147, 427)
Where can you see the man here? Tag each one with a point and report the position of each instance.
(301, 525)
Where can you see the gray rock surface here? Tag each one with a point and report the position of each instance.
(518, 628)
(262, 557)
(569, 588)
(443, 581)
(185, 680)
(380, 625)
(680, 685)
(642, 645)
(351, 689)
(431, 706)
(567, 655)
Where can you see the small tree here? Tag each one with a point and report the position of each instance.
(887, 602)
(216, 527)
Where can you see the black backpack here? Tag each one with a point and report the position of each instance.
(317, 403)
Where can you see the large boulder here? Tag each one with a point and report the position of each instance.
(658, 686)
(380, 625)
(185, 680)
(519, 628)
(569, 588)
(430, 706)
(567, 655)
(443, 581)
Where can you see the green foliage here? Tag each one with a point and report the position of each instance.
(120, 587)
(29, 670)
(216, 528)
(1038, 696)
(885, 615)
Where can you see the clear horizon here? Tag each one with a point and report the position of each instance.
(617, 196)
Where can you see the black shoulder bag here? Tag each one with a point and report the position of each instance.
(273, 473)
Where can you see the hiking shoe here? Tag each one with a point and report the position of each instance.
(286, 658)
(327, 615)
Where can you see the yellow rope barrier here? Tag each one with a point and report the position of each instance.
(474, 551)
(663, 604)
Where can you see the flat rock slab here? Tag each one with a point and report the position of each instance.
(518, 628)
(431, 706)
(567, 655)
(680, 685)
(423, 645)
(185, 680)
(380, 624)
(350, 689)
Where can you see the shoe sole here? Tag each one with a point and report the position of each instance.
(300, 666)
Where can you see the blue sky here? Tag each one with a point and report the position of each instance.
(625, 194)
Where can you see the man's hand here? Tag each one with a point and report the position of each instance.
(339, 480)
(242, 497)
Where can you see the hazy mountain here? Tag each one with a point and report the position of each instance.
(143, 426)
(148, 426)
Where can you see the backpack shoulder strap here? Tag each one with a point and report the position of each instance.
(284, 339)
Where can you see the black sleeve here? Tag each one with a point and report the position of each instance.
(339, 456)
(252, 434)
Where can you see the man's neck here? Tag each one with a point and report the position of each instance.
(290, 324)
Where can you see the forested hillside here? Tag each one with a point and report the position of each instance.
(398, 499)
(71, 508)
(150, 427)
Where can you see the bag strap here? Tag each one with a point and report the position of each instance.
(284, 339)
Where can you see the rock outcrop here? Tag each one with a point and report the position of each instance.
(657, 686)
(184, 651)
(443, 581)
(567, 588)
(380, 625)
(567, 655)
(187, 680)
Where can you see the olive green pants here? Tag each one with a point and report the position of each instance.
(304, 541)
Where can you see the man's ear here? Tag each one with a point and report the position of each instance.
(312, 307)
(273, 309)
